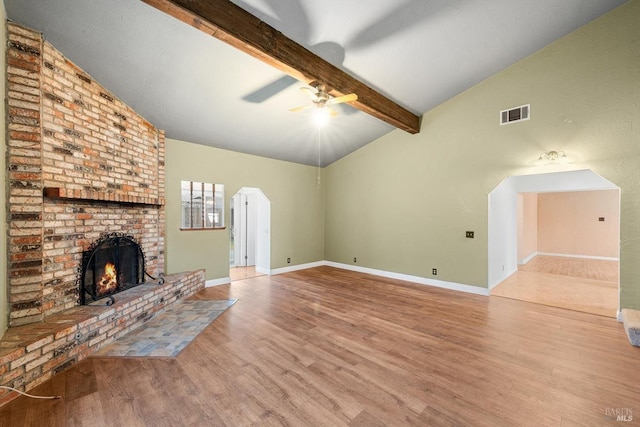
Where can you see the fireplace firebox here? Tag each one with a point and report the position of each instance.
(113, 263)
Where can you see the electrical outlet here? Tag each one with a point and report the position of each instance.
(434, 271)
(470, 234)
(355, 260)
(601, 219)
(288, 260)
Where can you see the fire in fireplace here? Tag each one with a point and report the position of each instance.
(113, 263)
(109, 281)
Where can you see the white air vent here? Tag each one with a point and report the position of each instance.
(517, 114)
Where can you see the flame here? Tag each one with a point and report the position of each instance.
(109, 280)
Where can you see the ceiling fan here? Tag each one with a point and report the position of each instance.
(411, 13)
(322, 99)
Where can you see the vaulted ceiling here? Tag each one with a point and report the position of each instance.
(413, 53)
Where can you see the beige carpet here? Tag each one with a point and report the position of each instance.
(595, 269)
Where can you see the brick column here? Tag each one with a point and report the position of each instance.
(160, 267)
(24, 164)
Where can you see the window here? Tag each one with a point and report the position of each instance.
(202, 205)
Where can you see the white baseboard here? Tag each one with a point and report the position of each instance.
(619, 316)
(604, 258)
(501, 278)
(409, 278)
(217, 282)
(391, 275)
(297, 267)
(262, 270)
(527, 259)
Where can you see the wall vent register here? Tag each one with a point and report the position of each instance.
(517, 114)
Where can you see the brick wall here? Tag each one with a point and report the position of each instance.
(80, 163)
(93, 143)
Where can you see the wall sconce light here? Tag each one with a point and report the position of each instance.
(552, 157)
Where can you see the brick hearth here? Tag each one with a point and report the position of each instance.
(32, 354)
(80, 163)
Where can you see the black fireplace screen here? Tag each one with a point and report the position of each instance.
(112, 264)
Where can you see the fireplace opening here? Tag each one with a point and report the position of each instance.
(112, 264)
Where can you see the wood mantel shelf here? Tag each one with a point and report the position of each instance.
(102, 196)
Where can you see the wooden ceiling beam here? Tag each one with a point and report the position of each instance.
(233, 25)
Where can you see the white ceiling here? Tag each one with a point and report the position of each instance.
(418, 53)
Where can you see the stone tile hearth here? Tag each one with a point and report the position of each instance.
(170, 332)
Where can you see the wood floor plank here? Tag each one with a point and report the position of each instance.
(331, 347)
(587, 285)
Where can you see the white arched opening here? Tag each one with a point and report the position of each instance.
(503, 212)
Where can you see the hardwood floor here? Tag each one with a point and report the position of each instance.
(331, 347)
(587, 285)
(240, 273)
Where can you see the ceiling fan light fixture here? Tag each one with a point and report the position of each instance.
(321, 116)
(323, 102)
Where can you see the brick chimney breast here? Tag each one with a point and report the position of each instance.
(80, 163)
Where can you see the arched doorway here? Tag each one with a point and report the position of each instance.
(250, 234)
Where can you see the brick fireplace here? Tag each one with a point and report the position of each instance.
(81, 163)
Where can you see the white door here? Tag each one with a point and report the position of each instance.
(244, 229)
(250, 230)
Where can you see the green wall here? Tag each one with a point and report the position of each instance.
(404, 202)
(4, 309)
(297, 207)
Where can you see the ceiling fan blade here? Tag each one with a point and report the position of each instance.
(288, 11)
(304, 107)
(269, 90)
(344, 98)
(309, 92)
(410, 14)
(346, 109)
